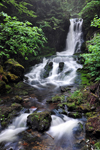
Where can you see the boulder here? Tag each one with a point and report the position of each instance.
(61, 66)
(14, 67)
(39, 121)
(48, 67)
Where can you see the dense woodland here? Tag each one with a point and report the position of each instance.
(33, 29)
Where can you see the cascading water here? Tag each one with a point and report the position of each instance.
(62, 67)
(62, 71)
(18, 125)
(66, 131)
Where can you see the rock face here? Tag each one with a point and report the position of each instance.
(39, 121)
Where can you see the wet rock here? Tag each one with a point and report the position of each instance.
(39, 121)
(47, 69)
(68, 72)
(14, 67)
(30, 136)
(61, 66)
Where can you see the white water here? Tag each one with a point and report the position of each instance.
(68, 73)
(63, 130)
(18, 125)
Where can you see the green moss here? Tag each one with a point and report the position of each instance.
(12, 76)
(90, 128)
(13, 62)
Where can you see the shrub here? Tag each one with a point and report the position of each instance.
(19, 38)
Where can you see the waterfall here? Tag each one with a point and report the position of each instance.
(59, 70)
(56, 71)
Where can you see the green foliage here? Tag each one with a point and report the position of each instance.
(96, 22)
(97, 146)
(77, 95)
(92, 59)
(19, 38)
(20, 6)
(90, 6)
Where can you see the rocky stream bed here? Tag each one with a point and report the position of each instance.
(84, 102)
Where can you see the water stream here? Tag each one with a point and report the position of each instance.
(63, 66)
(62, 72)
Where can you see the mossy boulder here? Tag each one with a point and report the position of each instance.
(39, 121)
(14, 67)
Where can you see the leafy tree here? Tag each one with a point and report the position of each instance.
(19, 38)
(92, 59)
